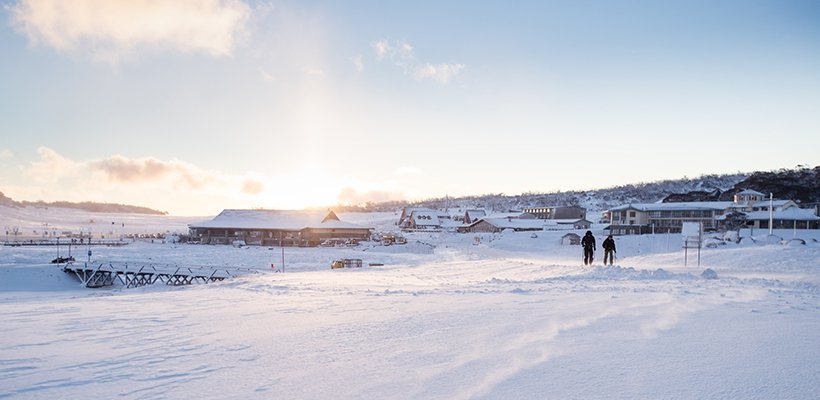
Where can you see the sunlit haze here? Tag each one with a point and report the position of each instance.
(199, 105)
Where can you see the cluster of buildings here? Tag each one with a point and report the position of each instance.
(305, 228)
(748, 209)
(479, 221)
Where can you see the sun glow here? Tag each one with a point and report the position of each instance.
(298, 190)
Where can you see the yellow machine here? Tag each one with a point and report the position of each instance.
(347, 263)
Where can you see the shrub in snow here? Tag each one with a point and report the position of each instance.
(712, 243)
(768, 239)
(708, 273)
(745, 241)
(731, 236)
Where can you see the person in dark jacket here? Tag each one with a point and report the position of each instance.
(588, 242)
(609, 249)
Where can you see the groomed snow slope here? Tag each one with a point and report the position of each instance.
(512, 317)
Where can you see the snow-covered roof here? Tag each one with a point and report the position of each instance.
(775, 203)
(695, 205)
(513, 215)
(563, 221)
(789, 214)
(476, 213)
(289, 220)
(515, 223)
(411, 210)
(409, 213)
(449, 223)
(701, 205)
(750, 192)
(426, 218)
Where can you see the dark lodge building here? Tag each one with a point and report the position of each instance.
(276, 228)
(569, 212)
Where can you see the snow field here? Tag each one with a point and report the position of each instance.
(513, 317)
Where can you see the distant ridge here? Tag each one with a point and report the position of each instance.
(84, 205)
(593, 199)
(801, 183)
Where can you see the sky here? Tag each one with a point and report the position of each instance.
(193, 106)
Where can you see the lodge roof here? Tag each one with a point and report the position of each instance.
(789, 214)
(750, 192)
(288, 220)
(699, 205)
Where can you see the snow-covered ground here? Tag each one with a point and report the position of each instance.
(514, 317)
(40, 222)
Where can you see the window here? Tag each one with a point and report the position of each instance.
(632, 214)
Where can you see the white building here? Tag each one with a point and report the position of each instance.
(522, 222)
(669, 217)
(422, 218)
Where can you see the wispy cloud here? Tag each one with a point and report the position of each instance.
(185, 188)
(115, 29)
(358, 63)
(402, 54)
(252, 186)
(382, 48)
(6, 153)
(137, 173)
(438, 72)
(120, 169)
(51, 167)
(266, 77)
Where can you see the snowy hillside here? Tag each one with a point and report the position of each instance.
(801, 184)
(85, 206)
(593, 200)
(37, 222)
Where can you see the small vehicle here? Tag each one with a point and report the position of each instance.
(346, 263)
(390, 239)
(339, 243)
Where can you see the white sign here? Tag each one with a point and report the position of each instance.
(691, 230)
(692, 234)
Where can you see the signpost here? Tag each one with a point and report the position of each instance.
(692, 235)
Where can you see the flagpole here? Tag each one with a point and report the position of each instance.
(771, 212)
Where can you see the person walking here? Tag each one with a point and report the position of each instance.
(588, 242)
(609, 249)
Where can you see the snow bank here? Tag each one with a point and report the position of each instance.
(36, 278)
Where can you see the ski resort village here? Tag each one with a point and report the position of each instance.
(749, 209)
